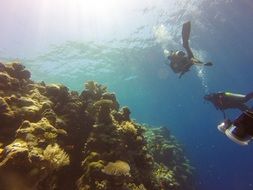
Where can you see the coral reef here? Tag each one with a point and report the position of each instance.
(172, 168)
(52, 138)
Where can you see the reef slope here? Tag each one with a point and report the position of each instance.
(52, 138)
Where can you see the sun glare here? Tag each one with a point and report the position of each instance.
(98, 8)
(80, 18)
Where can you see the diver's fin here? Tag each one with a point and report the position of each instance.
(208, 64)
(186, 30)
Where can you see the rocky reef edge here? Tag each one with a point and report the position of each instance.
(52, 138)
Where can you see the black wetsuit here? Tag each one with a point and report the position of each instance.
(179, 66)
(226, 100)
(184, 63)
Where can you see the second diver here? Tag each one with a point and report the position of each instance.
(227, 100)
(179, 61)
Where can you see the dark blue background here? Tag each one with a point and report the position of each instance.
(178, 103)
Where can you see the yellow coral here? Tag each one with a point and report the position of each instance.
(128, 127)
(28, 106)
(103, 102)
(133, 186)
(56, 156)
(50, 136)
(94, 87)
(118, 168)
(1, 150)
(166, 176)
(5, 109)
(90, 85)
(42, 130)
(101, 185)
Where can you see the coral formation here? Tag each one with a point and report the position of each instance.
(175, 173)
(118, 168)
(56, 156)
(53, 138)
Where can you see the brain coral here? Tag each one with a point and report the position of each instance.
(118, 168)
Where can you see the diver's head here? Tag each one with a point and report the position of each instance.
(176, 56)
(241, 130)
(209, 97)
(180, 53)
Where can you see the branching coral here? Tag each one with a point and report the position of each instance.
(166, 151)
(165, 177)
(132, 186)
(95, 88)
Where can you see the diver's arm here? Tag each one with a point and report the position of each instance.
(224, 114)
(185, 69)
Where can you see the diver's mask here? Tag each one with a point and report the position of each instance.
(240, 130)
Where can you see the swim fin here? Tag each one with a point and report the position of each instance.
(186, 30)
(208, 64)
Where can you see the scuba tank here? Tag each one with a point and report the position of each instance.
(234, 97)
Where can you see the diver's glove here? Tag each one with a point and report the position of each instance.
(208, 64)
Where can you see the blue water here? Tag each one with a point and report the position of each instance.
(61, 44)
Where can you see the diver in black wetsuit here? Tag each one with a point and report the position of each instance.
(227, 100)
(241, 129)
(180, 62)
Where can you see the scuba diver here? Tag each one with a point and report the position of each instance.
(179, 61)
(241, 129)
(227, 100)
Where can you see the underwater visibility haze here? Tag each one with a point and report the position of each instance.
(120, 44)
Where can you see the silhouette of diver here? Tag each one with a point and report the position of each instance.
(227, 100)
(179, 61)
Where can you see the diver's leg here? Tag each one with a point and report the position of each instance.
(186, 30)
(248, 96)
(189, 52)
